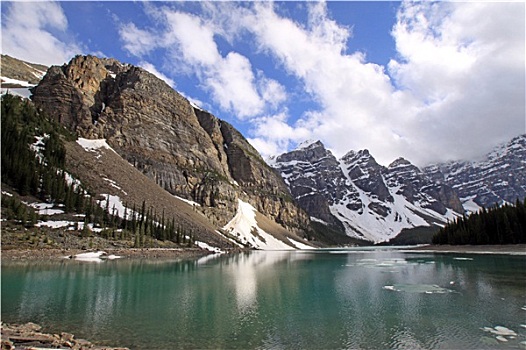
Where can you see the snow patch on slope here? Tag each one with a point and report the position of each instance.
(245, 227)
(115, 206)
(93, 145)
(372, 227)
(208, 247)
(6, 80)
(469, 204)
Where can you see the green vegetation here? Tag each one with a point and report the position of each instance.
(498, 225)
(33, 164)
(412, 236)
(333, 237)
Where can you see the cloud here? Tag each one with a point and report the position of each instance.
(37, 32)
(455, 90)
(465, 61)
(355, 97)
(138, 42)
(271, 91)
(274, 134)
(189, 42)
(191, 38)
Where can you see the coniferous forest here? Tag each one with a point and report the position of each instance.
(33, 164)
(498, 225)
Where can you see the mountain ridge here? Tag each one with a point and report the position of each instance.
(186, 151)
(376, 203)
(198, 157)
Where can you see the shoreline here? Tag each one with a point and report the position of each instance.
(505, 249)
(123, 253)
(190, 253)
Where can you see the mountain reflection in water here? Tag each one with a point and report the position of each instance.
(278, 299)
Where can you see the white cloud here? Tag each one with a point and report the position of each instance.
(356, 97)
(189, 42)
(192, 38)
(454, 90)
(274, 135)
(457, 88)
(28, 33)
(271, 91)
(466, 61)
(137, 41)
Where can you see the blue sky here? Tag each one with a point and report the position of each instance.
(429, 81)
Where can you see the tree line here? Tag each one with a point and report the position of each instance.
(33, 160)
(504, 224)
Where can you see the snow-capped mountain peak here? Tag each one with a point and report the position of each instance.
(498, 178)
(362, 198)
(366, 200)
(308, 143)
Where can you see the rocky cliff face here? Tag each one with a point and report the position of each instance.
(187, 151)
(498, 178)
(364, 199)
(315, 180)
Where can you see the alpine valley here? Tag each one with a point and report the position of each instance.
(138, 141)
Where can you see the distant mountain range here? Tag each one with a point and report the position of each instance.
(368, 201)
(215, 182)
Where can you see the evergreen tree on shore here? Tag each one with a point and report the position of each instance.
(499, 225)
(33, 159)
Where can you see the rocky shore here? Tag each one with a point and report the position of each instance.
(29, 336)
(130, 253)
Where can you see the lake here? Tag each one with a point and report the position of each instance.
(327, 299)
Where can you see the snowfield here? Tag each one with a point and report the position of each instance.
(208, 247)
(244, 226)
(93, 145)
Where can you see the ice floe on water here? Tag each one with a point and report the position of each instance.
(502, 334)
(418, 288)
(389, 264)
(500, 330)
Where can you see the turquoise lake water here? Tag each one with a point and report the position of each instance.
(341, 299)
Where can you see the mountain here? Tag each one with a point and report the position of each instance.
(193, 156)
(365, 200)
(141, 141)
(20, 74)
(362, 198)
(500, 177)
